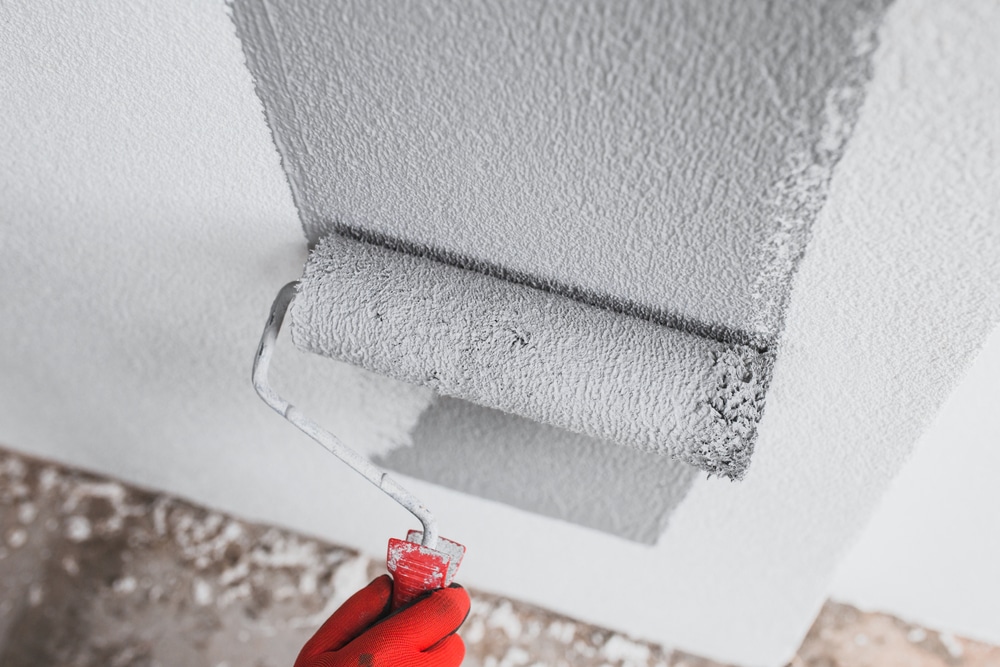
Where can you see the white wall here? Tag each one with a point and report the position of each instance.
(931, 551)
(147, 224)
(146, 227)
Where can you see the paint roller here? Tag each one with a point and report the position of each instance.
(516, 347)
(530, 351)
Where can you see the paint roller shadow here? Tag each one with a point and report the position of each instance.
(544, 469)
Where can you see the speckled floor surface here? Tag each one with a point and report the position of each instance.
(94, 573)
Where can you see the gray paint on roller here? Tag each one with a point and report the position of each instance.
(533, 353)
(545, 470)
(666, 154)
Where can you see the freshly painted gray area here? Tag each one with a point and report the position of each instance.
(533, 353)
(659, 159)
(545, 470)
(667, 157)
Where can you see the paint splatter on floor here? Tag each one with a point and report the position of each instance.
(93, 572)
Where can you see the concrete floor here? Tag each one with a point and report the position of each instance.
(93, 572)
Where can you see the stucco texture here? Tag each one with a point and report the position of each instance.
(147, 224)
(582, 149)
(665, 155)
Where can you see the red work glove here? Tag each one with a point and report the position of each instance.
(362, 633)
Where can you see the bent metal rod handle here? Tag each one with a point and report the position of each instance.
(330, 442)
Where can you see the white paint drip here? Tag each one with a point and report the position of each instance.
(202, 592)
(71, 566)
(17, 538)
(78, 528)
(629, 653)
(26, 513)
(563, 631)
(125, 585)
(951, 643)
(503, 618)
(36, 594)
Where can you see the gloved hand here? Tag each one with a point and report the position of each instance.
(362, 633)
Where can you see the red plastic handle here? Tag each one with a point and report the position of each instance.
(416, 569)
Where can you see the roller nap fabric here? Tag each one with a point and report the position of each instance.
(533, 353)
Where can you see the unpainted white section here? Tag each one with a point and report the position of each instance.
(146, 227)
(931, 551)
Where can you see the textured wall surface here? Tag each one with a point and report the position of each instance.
(668, 155)
(147, 226)
(930, 552)
(580, 147)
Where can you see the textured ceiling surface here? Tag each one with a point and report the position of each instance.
(666, 157)
(661, 159)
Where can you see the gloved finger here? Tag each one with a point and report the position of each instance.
(362, 610)
(447, 653)
(429, 620)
